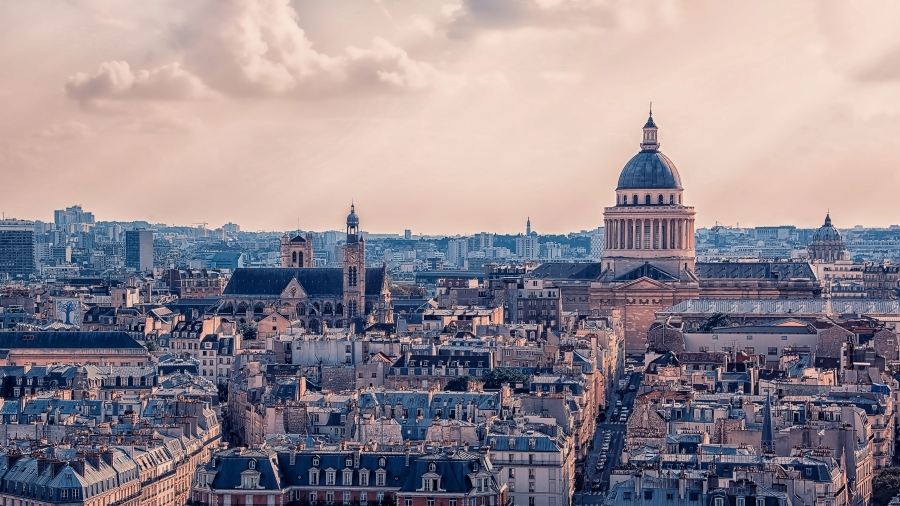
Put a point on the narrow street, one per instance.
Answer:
(586, 496)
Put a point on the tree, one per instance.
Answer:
(885, 486)
(496, 378)
(714, 321)
(458, 384)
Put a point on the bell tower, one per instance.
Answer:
(354, 268)
(297, 252)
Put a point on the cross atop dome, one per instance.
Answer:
(650, 142)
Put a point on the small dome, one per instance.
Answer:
(827, 232)
(649, 170)
(352, 218)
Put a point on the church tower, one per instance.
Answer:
(297, 251)
(354, 268)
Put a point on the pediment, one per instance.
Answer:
(644, 283)
(293, 290)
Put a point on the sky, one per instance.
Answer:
(446, 116)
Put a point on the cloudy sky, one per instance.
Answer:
(445, 116)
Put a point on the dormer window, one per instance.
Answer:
(329, 477)
(251, 464)
(432, 467)
(315, 461)
(348, 477)
(314, 477)
(380, 478)
(382, 462)
(364, 478)
(532, 443)
(348, 462)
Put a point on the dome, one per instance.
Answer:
(827, 232)
(352, 218)
(648, 170)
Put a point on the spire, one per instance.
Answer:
(828, 218)
(528, 226)
(650, 142)
(768, 436)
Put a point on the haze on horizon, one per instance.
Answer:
(446, 116)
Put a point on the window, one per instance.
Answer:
(408, 501)
(648, 495)
(531, 473)
(379, 479)
(670, 496)
(364, 478)
(739, 501)
(429, 501)
(750, 350)
(784, 338)
(348, 476)
(704, 349)
(346, 496)
(452, 502)
(379, 497)
(329, 497)
(693, 495)
(329, 477)
(531, 501)
(773, 350)
(314, 477)
(312, 497)
(626, 496)
(512, 472)
(351, 276)
(715, 336)
(363, 497)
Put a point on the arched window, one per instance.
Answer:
(328, 310)
(634, 200)
(301, 309)
(294, 257)
(624, 200)
(352, 309)
(300, 257)
(339, 309)
(351, 276)
(671, 199)
(647, 200)
(661, 200)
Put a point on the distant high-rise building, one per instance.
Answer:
(231, 228)
(527, 247)
(16, 248)
(485, 240)
(457, 251)
(71, 215)
(407, 234)
(528, 226)
(139, 249)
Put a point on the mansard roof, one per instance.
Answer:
(319, 281)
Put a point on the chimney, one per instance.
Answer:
(107, 455)
(93, 459)
(55, 467)
(78, 466)
(638, 484)
(42, 464)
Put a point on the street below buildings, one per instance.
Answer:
(616, 430)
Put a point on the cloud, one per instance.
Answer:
(115, 80)
(256, 48)
(472, 15)
(67, 130)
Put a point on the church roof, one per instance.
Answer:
(315, 281)
(298, 239)
(67, 340)
(646, 271)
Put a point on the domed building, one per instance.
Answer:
(827, 244)
(648, 256)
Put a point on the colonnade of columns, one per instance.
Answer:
(650, 233)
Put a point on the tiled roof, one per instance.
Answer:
(315, 281)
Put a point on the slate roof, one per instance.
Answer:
(68, 340)
(272, 282)
(649, 169)
(755, 270)
(577, 270)
(646, 271)
(453, 469)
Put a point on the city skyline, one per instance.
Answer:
(383, 102)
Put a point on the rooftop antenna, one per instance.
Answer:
(651, 109)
